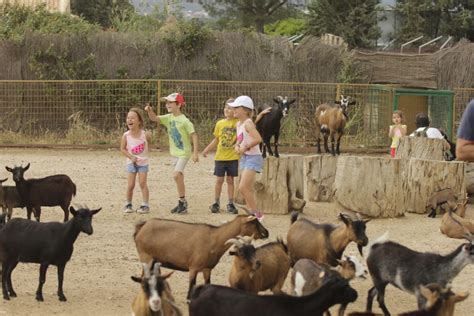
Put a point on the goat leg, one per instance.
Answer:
(269, 147)
(318, 146)
(9, 279)
(4, 281)
(37, 211)
(61, 295)
(207, 276)
(381, 299)
(370, 298)
(432, 213)
(42, 279)
(277, 136)
(264, 150)
(192, 283)
(29, 210)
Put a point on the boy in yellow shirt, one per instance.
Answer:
(226, 161)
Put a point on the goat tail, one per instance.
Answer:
(138, 226)
(73, 189)
(294, 216)
(379, 240)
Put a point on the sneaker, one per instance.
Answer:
(181, 208)
(215, 208)
(143, 209)
(128, 208)
(232, 209)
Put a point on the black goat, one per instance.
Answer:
(269, 124)
(22, 240)
(392, 263)
(49, 191)
(9, 198)
(215, 300)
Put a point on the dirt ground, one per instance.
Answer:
(97, 278)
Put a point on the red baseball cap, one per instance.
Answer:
(174, 97)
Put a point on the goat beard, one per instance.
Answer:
(359, 247)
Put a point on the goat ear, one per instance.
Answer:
(292, 101)
(459, 297)
(136, 279)
(27, 167)
(73, 211)
(276, 100)
(93, 212)
(346, 219)
(367, 220)
(9, 169)
(167, 275)
(337, 102)
(352, 102)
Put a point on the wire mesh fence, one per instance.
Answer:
(94, 111)
(462, 96)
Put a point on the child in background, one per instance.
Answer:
(396, 131)
(134, 146)
(251, 160)
(180, 132)
(226, 160)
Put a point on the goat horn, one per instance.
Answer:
(146, 270)
(247, 239)
(234, 242)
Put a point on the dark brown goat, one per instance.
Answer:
(331, 121)
(49, 191)
(191, 247)
(324, 243)
(9, 198)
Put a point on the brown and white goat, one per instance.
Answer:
(438, 198)
(439, 302)
(192, 247)
(258, 269)
(308, 276)
(455, 226)
(331, 121)
(324, 243)
(154, 297)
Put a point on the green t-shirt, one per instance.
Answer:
(179, 130)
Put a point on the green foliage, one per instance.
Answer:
(434, 18)
(187, 37)
(99, 11)
(348, 73)
(51, 65)
(246, 12)
(287, 27)
(16, 20)
(354, 20)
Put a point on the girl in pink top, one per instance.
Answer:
(134, 146)
(251, 160)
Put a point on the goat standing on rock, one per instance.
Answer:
(269, 125)
(331, 121)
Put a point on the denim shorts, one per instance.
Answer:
(226, 167)
(134, 168)
(251, 162)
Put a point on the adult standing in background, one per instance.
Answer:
(465, 137)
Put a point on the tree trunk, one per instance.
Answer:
(369, 185)
(320, 175)
(423, 177)
(421, 148)
(469, 178)
(279, 189)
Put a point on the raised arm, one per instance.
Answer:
(151, 114)
(465, 150)
(262, 114)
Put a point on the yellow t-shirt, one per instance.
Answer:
(226, 131)
(396, 137)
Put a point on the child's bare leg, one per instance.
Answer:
(142, 180)
(131, 178)
(178, 177)
(230, 188)
(218, 188)
(246, 188)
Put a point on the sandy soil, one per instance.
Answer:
(97, 278)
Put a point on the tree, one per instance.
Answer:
(435, 18)
(99, 11)
(246, 12)
(353, 20)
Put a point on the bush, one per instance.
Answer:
(287, 27)
(16, 20)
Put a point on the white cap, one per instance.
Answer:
(244, 101)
